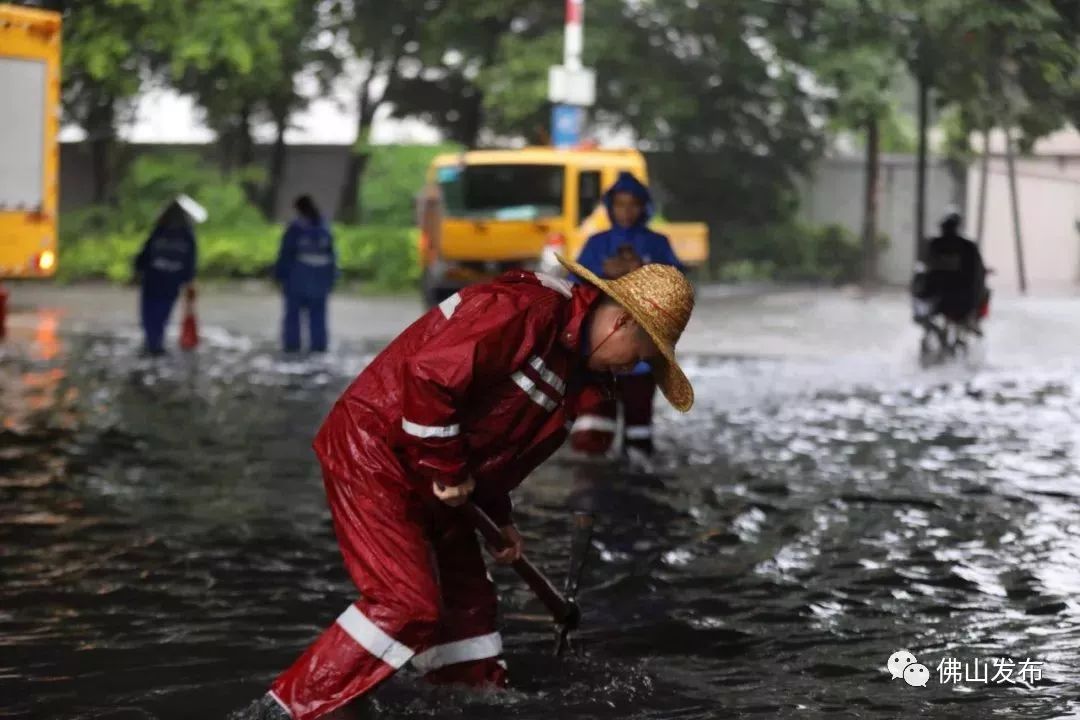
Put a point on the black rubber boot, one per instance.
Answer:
(265, 708)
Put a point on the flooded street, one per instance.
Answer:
(165, 547)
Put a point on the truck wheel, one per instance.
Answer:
(433, 294)
(440, 294)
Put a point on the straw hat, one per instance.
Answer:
(660, 299)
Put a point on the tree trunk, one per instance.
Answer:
(1014, 196)
(246, 155)
(101, 156)
(920, 179)
(870, 207)
(226, 146)
(473, 120)
(101, 128)
(349, 209)
(246, 144)
(277, 169)
(984, 174)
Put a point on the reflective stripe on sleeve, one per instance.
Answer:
(548, 376)
(427, 431)
(538, 396)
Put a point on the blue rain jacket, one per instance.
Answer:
(167, 260)
(650, 246)
(307, 262)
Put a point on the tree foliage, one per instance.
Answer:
(755, 86)
(109, 48)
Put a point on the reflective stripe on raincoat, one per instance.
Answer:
(482, 385)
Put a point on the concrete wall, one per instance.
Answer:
(1049, 197)
(314, 169)
(834, 194)
(1048, 190)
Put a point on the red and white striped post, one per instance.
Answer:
(571, 87)
(574, 38)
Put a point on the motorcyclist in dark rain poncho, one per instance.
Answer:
(952, 281)
(164, 266)
(306, 268)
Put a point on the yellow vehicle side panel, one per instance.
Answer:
(34, 35)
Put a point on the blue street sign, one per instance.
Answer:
(567, 124)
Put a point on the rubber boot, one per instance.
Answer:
(265, 708)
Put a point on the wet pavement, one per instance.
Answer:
(165, 547)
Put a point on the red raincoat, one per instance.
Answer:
(484, 385)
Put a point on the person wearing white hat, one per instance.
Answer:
(164, 266)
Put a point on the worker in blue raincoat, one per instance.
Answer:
(306, 268)
(628, 245)
(163, 267)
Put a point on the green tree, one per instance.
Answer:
(110, 48)
(855, 57)
(241, 61)
(1014, 64)
(301, 52)
(686, 78)
(227, 56)
(713, 87)
(382, 36)
(483, 67)
(394, 175)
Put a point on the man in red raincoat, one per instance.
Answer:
(463, 405)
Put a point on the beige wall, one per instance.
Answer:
(834, 194)
(1049, 199)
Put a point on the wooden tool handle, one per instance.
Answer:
(564, 612)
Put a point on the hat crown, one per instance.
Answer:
(661, 297)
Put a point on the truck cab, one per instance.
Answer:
(484, 212)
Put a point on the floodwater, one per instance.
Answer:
(165, 548)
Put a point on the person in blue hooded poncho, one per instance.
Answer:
(306, 268)
(163, 267)
(628, 245)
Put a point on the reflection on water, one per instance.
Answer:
(165, 548)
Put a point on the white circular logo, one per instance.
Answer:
(898, 661)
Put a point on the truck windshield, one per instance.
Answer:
(503, 192)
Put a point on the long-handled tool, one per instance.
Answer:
(580, 543)
(565, 611)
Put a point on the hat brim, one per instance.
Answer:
(669, 376)
(194, 210)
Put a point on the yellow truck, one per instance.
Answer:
(487, 211)
(29, 153)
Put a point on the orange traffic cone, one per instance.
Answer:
(189, 330)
